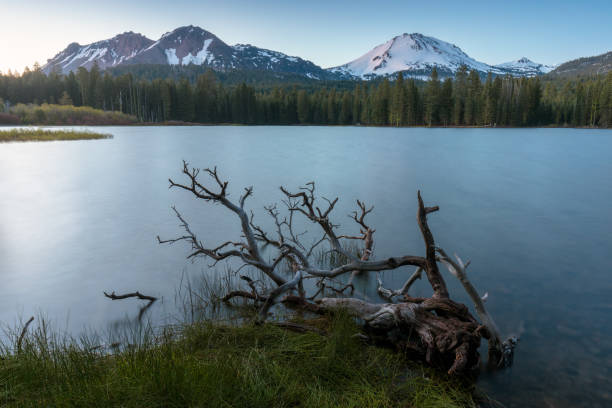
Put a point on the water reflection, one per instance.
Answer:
(529, 207)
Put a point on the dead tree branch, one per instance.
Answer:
(437, 329)
(501, 353)
(390, 294)
(138, 295)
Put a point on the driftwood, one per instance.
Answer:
(442, 332)
(137, 294)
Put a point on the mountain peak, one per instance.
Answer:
(416, 54)
(524, 67)
(105, 53)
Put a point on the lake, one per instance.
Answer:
(531, 209)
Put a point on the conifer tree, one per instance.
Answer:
(432, 96)
(65, 99)
(397, 110)
(445, 102)
(303, 107)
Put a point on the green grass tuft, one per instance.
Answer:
(212, 365)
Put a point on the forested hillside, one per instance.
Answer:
(465, 101)
(595, 65)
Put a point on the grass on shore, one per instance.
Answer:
(41, 135)
(213, 365)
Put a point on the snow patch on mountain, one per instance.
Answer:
(171, 56)
(203, 56)
(105, 53)
(525, 67)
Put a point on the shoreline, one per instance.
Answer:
(197, 124)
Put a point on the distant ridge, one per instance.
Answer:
(182, 46)
(414, 54)
(596, 65)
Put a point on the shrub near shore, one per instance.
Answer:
(68, 115)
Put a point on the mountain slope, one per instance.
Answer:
(182, 46)
(107, 53)
(415, 55)
(524, 67)
(596, 65)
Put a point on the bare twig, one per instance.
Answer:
(390, 294)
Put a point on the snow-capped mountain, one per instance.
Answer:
(182, 46)
(107, 53)
(415, 55)
(525, 67)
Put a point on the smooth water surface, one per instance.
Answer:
(531, 208)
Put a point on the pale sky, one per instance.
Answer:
(328, 33)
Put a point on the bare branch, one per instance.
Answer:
(263, 313)
(243, 294)
(249, 252)
(247, 193)
(307, 208)
(390, 294)
(433, 273)
(500, 353)
(316, 244)
(136, 294)
(364, 212)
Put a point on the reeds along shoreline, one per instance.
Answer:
(42, 135)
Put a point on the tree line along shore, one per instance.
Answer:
(466, 100)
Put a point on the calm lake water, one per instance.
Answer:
(531, 208)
